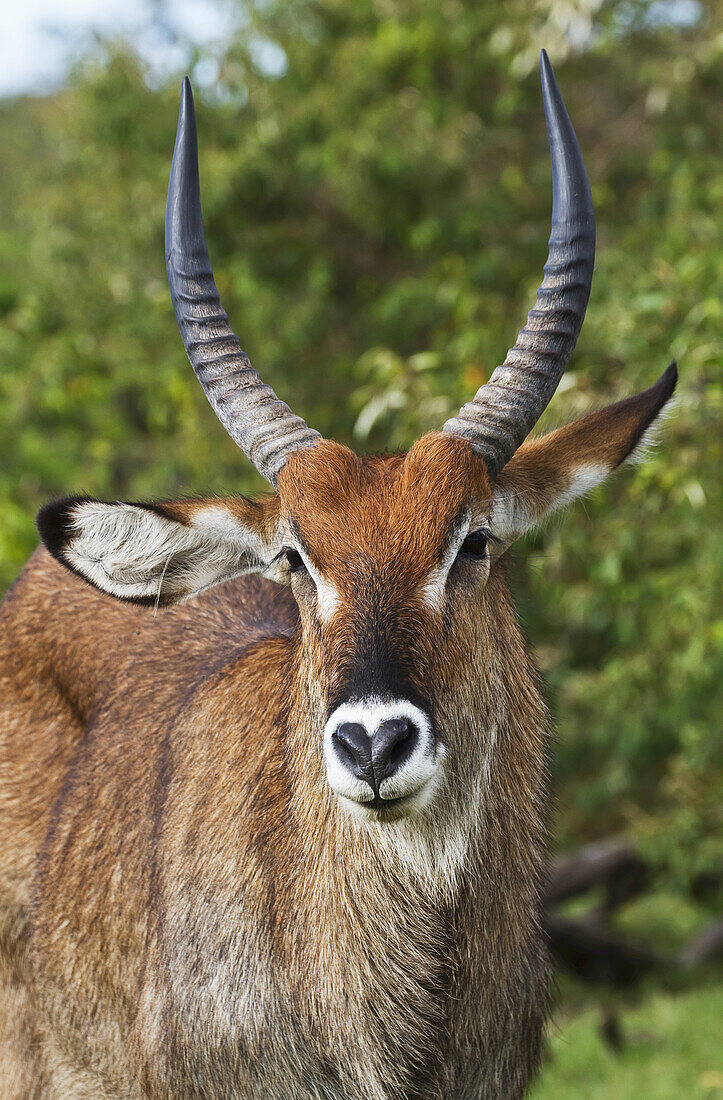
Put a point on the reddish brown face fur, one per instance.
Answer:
(376, 529)
(379, 536)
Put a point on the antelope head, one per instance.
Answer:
(389, 557)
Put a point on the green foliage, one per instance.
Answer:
(667, 1025)
(671, 1052)
(377, 208)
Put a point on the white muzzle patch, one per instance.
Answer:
(412, 779)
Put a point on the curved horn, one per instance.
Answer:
(507, 407)
(262, 426)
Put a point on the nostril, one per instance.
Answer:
(354, 749)
(402, 748)
(394, 742)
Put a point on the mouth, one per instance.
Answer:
(388, 805)
(384, 810)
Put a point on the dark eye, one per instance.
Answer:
(474, 546)
(294, 559)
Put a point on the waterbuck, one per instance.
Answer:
(283, 839)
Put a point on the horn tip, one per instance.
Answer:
(547, 77)
(186, 110)
(183, 204)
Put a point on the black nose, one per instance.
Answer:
(375, 758)
(354, 749)
(393, 743)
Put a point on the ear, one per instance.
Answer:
(558, 468)
(161, 553)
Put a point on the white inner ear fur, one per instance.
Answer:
(651, 436)
(516, 510)
(134, 552)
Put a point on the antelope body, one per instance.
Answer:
(284, 840)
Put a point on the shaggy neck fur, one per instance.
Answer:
(397, 922)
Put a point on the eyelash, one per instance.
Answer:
(294, 560)
(474, 546)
